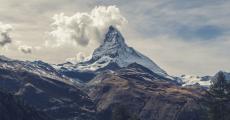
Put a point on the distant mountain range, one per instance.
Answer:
(205, 81)
(116, 78)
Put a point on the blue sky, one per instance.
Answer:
(182, 36)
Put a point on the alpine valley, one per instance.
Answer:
(117, 83)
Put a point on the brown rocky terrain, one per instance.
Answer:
(145, 96)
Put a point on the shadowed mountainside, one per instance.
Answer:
(11, 108)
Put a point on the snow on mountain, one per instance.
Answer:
(38, 83)
(36, 67)
(114, 50)
(205, 81)
(3, 58)
(188, 80)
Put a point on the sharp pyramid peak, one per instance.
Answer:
(114, 49)
(114, 37)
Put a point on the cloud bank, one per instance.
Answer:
(83, 28)
(5, 38)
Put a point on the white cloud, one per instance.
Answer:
(84, 28)
(25, 49)
(5, 38)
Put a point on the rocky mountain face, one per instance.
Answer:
(117, 83)
(145, 95)
(11, 108)
(114, 49)
(42, 87)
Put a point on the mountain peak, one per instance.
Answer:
(113, 31)
(114, 50)
(114, 38)
(113, 42)
(112, 28)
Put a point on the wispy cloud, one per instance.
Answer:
(25, 49)
(5, 38)
(206, 32)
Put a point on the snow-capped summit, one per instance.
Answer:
(112, 45)
(115, 50)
